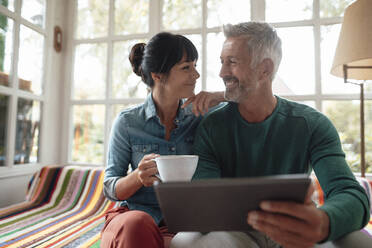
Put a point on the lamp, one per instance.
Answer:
(353, 57)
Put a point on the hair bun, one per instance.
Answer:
(136, 56)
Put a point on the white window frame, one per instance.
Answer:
(155, 26)
(49, 100)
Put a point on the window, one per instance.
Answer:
(4, 101)
(22, 58)
(103, 83)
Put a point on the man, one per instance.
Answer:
(259, 134)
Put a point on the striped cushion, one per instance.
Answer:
(64, 207)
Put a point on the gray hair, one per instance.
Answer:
(262, 41)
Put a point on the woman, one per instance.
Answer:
(163, 124)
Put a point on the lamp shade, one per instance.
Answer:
(354, 46)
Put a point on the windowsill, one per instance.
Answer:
(19, 170)
(368, 175)
(85, 164)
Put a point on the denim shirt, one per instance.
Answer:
(137, 132)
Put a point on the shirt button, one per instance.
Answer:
(173, 149)
(177, 121)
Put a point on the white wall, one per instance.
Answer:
(13, 185)
(13, 190)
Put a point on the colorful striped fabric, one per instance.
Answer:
(64, 207)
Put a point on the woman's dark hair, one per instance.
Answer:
(161, 53)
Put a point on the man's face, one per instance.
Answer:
(239, 78)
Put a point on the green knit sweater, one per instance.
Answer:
(293, 139)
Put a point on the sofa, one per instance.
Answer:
(65, 207)
(361, 238)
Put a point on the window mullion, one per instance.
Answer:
(12, 111)
(45, 84)
(11, 133)
(317, 57)
(108, 108)
(6, 12)
(258, 10)
(204, 45)
(155, 16)
(68, 92)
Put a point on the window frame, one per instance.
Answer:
(155, 25)
(10, 169)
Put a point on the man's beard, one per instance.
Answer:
(236, 93)
(232, 95)
(239, 92)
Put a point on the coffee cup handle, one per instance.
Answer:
(157, 175)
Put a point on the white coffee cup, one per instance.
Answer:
(176, 167)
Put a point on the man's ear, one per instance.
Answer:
(266, 69)
(157, 77)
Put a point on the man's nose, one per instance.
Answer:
(225, 70)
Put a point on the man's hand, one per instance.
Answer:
(203, 101)
(291, 224)
(147, 169)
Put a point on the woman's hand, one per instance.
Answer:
(147, 169)
(203, 101)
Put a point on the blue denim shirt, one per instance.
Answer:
(137, 132)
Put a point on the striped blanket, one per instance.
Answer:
(64, 207)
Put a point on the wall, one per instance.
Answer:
(13, 189)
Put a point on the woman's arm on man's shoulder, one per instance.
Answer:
(204, 100)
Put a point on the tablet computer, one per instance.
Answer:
(223, 204)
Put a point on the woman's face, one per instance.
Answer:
(181, 79)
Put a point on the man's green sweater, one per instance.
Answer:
(293, 139)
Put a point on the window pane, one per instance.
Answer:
(6, 49)
(8, 3)
(30, 64)
(131, 16)
(345, 115)
(296, 74)
(34, 11)
(125, 83)
(183, 14)
(222, 12)
(92, 18)
(196, 39)
(331, 8)
(90, 71)
(88, 133)
(288, 10)
(4, 101)
(27, 131)
(330, 83)
(214, 46)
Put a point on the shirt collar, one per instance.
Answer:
(150, 109)
(149, 106)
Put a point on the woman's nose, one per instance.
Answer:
(196, 74)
